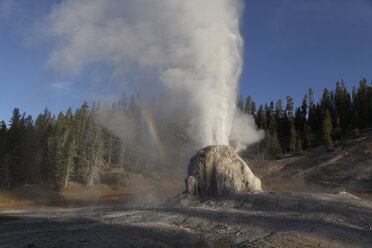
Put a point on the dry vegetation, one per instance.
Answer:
(347, 168)
(148, 184)
(75, 195)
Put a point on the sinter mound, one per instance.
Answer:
(218, 170)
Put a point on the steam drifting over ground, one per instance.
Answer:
(192, 49)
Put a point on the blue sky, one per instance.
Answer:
(290, 46)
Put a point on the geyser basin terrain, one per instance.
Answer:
(264, 219)
(218, 170)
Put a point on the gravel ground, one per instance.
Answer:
(275, 219)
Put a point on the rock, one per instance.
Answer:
(218, 170)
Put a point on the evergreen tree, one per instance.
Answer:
(292, 135)
(267, 114)
(80, 160)
(261, 118)
(361, 108)
(299, 121)
(44, 131)
(65, 148)
(248, 105)
(14, 149)
(278, 110)
(290, 106)
(29, 148)
(94, 151)
(313, 117)
(268, 145)
(240, 103)
(308, 136)
(325, 102)
(301, 116)
(304, 107)
(60, 139)
(299, 148)
(123, 102)
(253, 109)
(343, 105)
(272, 125)
(14, 134)
(4, 157)
(276, 150)
(337, 132)
(284, 131)
(327, 131)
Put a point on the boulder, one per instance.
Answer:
(218, 170)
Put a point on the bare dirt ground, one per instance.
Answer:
(250, 220)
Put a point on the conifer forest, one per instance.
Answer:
(73, 146)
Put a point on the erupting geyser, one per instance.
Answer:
(218, 170)
(190, 49)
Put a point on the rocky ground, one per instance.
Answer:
(245, 220)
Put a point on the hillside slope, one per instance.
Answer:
(348, 167)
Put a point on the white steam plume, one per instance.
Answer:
(194, 48)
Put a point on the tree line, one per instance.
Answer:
(292, 130)
(83, 146)
(70, 147)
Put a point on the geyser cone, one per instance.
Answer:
(218, 170)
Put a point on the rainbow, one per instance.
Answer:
(152, 128)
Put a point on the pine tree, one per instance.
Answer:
(343, 105)
(261, 118)
(327, 130)
(299, 148)
(284, 131)
(272, 145)
(253, 109)
(290, 106)
(94, 151)
(122, 105)
(312, 118)
(362, 115)
(276, 150)
(279, 115)
(308, 136)
(80, 160)
(44, 131)
(29, 148)
(60, 137)
(278, 110)
(299, 121)
(301, 116)
(65, 148)
(304, 107)
(268, 145)
(292, 135)
(267, 114)
(240, 103)
(337, 132)
(15, 135)
(248, 105)
(325, 102)
(4, 157)
(273, 125)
